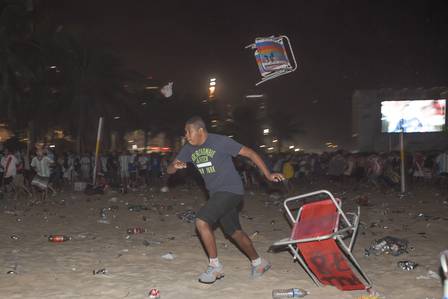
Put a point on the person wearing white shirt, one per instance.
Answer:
(41, 164)
(85, 167)
(442, 163)
(9, 163)
(124, 160)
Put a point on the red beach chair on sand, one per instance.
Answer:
(317, 241)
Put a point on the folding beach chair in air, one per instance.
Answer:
(272, 58)
(322, 239)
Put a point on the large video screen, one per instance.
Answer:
(416, 116)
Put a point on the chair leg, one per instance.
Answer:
(304, 265)
(354, 261)
(51, 189)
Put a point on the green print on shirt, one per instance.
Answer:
(202, 159)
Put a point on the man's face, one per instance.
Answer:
(193, 134)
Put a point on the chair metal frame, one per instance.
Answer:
(338, 234)
(275, 74)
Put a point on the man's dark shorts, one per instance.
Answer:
(222, 207)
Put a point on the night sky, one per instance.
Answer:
(340, 45)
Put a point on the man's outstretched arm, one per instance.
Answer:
(254, 157)
(175, 165)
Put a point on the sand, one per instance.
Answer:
(133, 266)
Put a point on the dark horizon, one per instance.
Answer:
(341, 46)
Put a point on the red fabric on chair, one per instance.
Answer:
(316, 219)
(324, 258)
(330, 265)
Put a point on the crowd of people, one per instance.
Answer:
(378, 170)
(45, 168)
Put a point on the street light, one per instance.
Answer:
(211, 88)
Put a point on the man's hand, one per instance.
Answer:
(276, 177)
(179, 164)
(175, 165)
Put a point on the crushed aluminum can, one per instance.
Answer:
(137, 208)
(169, 256)
(187, 216)
(407, 265)
(387, 245)
(103, 214)
(154, 293)
(151, 242)
(100, 271)
(135, 230)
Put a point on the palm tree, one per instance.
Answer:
(94, 87)
(16, 44)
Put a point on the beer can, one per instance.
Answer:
(154, 293)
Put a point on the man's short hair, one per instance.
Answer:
(197, 122)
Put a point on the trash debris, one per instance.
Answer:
(430, 275)
(137, 208)
(14, 237)
(362, 200)
(79, 186)
(164, 189)
(135, 230)
(154, 293)
(58, 238)
(92, 190)
(247, 217)
(187, 216)
(407, 265)
(444, 263)
(169, 256)
(254, 234)
(387, 245)
(275, 196)
(100, 271)
(11, 272)
(103, 221)
(103, 214)
(151, 242)
(289, 293)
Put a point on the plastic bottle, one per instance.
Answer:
(135, 230)
(58, 238)
(289, 293)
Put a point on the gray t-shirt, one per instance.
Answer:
(213, 159)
